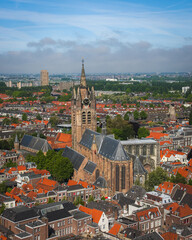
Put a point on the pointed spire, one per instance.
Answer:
(74, 93)
(83, 80)
(16, 139)
(78, 93)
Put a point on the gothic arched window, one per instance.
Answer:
(83, 117)
(89, 117)
(97, 174)
(152, 150)
(144, 150)
(74, 118)
(117, 177)
(123, 177)
(137, 150)
(130, 149)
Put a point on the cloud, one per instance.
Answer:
(45, 42)
(188, 38)
(100, 56)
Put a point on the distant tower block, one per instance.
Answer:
(44, 78)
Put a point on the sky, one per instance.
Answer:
(112, 36)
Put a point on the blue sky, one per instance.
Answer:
(112, 36)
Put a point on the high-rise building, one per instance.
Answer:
(44, 78)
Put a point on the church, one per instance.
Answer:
(97, 158)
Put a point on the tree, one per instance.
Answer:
(9, 164)
(155, 178)
(63, 168)
(50, 200)
(6, 121)
(136, 115)
(178, 179)
(38, 117)
(190, 118)
(60, 167)
(2, 208)
(126, 116)
(91, 199)
(143, 115)
(54, 120)
(24, 117)
(143, 132)
(78, 200)
(3, 187)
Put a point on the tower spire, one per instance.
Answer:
(83, 80)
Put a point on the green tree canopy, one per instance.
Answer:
(120, 128)
(190, 118)
(24, 117)
(178, 179)
(54, 120)
(38, 117)
(143, 115)
(60, 167)
(136, 115)
(155, 178)
(143, 132)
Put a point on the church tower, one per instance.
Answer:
(83, 110)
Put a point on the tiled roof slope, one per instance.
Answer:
(107, 146)
(35, 143)
(75, 157)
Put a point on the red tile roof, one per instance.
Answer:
(169, 236)
(173, 207)
(115, 229)
(96, 214)
(166, 187)
(21, 168)
(146, 214)
(71, 182)
(186, 187)
(157, 135)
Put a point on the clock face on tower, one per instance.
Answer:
(86, 101)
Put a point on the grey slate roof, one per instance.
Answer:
(138, 168)
(187, 199)
(58, 214)
(87, 138)
(136, 192)
(131, 233)
(80, 215)
(35, 143)
(107, 146)
(100, 182)
(112, 149)
(23, 235)
(90, 167)
(74, 187)
(150, 236)
(20, 213)
(178, 195)
(75, 157)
